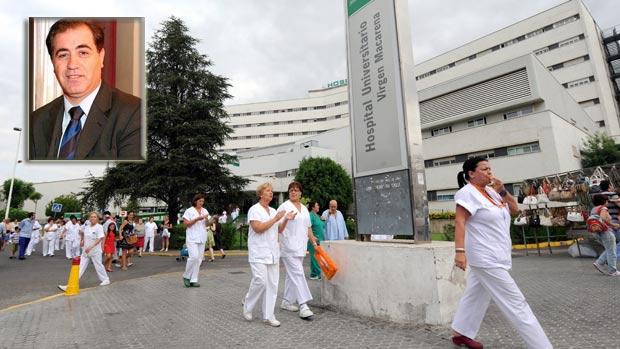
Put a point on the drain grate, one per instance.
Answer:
(236, 272)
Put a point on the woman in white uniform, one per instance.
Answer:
(296, 229)
(482, 240)
(264, 256)
(194, 220)
(49, 236)
(91, 242)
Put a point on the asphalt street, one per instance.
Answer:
(37, 276)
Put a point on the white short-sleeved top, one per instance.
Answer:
(92, 233)
(73, 231)
(149, 229)
(487, 231)
(198, 231)
(294, 239)
(263, 248)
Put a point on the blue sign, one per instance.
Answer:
(56, 207)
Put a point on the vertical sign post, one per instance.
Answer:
(388, 165)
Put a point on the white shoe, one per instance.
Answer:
(304, 311)
(118, 265)
(272, 322)
(105, 282)
(600, 268)
(247, 316)
(166, 250)
(615, 273)
(288, 306)
(63, 288)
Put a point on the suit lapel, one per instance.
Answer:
(56, 113)
(97, 118)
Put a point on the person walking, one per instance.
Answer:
(335, 227)
(217, 235)
(127, 240)
(27, 228)
(72, 237)
(264, 256)
(139, 229)
(606, 238)
(49, 237)
(195, 220)
(149, 235)
(318, 229)
(482, 241)
(296, 231)
(165, 234)
(109, 246)
(91, 242)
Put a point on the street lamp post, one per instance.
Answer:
(8, 200)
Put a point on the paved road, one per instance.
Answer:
(37, 276)
(577, 306)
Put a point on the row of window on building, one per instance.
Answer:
(290, 122)
(482, 120)
(291, 110)
(275, 135)
(500, 46)
(519, 149)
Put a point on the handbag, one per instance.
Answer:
(545, 221)
(327, 265)
(530, 200)
(520, 220)
(574, 216)
(542, 196)
(535, 221)
(131, 239)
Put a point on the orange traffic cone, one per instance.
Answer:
(328, 267)
(73, 285)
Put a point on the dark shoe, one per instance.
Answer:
(223, 256)
(11, 257)
(211, 260)
(21, 258)
(186, 282)
(466, 341)
(194, 284)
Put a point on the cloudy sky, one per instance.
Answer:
(270, 49)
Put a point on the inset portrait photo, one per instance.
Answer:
(86, 89)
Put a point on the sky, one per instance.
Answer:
(269, 50)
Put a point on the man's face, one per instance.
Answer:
(77, 64)
(333, 207)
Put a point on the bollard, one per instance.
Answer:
(73, 285)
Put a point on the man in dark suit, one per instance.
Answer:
(91, 120)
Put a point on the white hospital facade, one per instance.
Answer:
(525, 96)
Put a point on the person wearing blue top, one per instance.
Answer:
(335, 228)
(26, 227)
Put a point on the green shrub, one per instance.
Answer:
(448, 232)
(351, 227)
(441, 215)
(177, 236)
(14, 213)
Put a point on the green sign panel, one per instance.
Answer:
(354, 5)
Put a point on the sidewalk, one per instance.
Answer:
(158, 312)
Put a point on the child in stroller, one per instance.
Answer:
(183, 253)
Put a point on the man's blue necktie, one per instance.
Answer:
(71, 135)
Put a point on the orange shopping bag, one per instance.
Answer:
(327, 265)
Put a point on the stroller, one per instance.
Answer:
(183, 253)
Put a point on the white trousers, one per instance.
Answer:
(72, 248)
(95, 257)
(484, 284)
(150, 242)
(48, 247)
(34, 240)
(196, 255)
(295, 284)
(264, 285)
(57, 242)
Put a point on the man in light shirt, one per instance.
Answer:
(149, 235)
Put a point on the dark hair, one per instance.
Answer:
(604, 185)
(112, 224)
(295, 184)
(72, 217)
(311, 205)
(49, 219)
(196, 198)
(599, 199)
(107, 213)
(30, 214)
(63, 25)
(469, 165)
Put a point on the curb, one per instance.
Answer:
(544, 244)
(206, 254)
